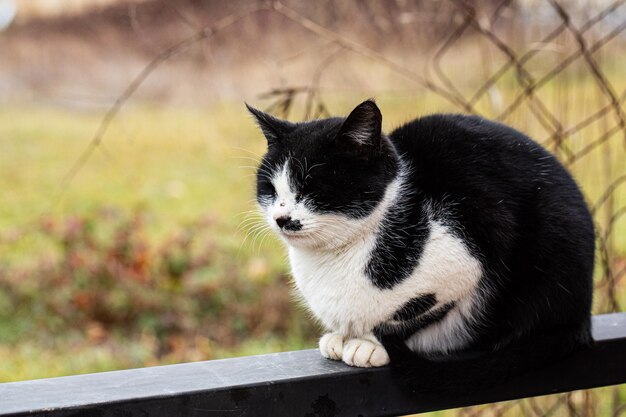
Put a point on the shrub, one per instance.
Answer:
(104, 273)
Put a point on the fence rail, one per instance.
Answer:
(299, 383)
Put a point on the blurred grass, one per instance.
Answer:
(176, 165)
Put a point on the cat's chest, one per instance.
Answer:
(337, 289)
(330, 277)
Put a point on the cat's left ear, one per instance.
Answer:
(273, 128)
(363, 127)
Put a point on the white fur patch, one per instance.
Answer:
(285, 196)
(286, 205)
(332, 279)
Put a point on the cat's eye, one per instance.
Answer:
(268, 188)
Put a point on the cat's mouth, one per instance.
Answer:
(293, 236)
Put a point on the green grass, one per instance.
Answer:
(176, 163)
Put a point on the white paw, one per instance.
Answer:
(364, 353)
(331, 346)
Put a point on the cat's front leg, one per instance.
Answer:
(331, 345)
(363, 352)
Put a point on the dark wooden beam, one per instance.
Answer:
(290, 384)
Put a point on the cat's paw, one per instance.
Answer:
(331, 346)
(364, 353)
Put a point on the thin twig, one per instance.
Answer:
(365, 51)
(204, 33)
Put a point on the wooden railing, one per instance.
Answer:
(299, 383)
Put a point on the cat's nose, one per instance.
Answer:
(282, 221)
(287, 223)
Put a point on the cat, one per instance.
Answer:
(454, 245)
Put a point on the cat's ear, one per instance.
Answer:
(362, 128)
(273, 128)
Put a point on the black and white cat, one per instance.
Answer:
(453, 238)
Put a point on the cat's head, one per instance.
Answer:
(320, 181)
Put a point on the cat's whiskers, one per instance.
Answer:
(302, 171)
(254, 225)
(265, 236)
(321, 238)
(249, 223)
(309, 169)
(252, 229)
(315, 166)
(237, 148)
(256, 172)
(251, 213)
(258, 162)
(329, 232)
(325, 240)
(262, 232)
(261, 166)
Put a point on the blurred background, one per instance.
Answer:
(128, 234)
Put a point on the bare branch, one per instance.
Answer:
(204, 33)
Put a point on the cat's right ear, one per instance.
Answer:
(362, 128)
(273, 128)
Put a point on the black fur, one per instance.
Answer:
(398, 250)
(516, 207)
(408, 328)
(415, 307)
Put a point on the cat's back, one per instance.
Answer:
(490, 163)
(452, 128)
(496, 177)
(456, 148)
